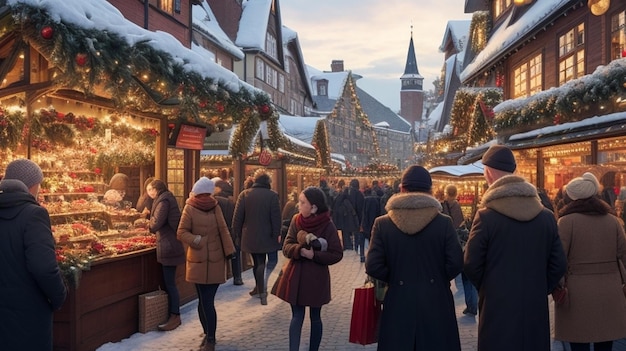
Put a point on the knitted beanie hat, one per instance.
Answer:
(25, 170)
(416, 178)
(204, 185)
(582, 187)
(500, 157)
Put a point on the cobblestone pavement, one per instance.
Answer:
(244, 324)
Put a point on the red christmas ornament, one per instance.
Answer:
(202, 104)
(264, 109)
(81, 59)
(47, 32)
(624, 53)
(219, 107)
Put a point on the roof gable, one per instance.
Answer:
(205, 22)
(253, 24)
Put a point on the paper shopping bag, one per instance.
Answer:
(365, 315)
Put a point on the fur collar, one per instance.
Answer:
(514, 197)
(411, 212)
(590, 206)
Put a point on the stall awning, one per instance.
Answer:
(473, 169)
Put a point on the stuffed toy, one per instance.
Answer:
(310, 241)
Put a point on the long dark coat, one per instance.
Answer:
(164, 219)
(415, 250)
(310, 285)
(515, 259)
(31, 286)
(345, 218)
(257, 219)
(593, 239)
(371, 210)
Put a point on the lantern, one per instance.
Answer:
(599, 7)
(522, 2)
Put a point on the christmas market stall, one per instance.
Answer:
(469, 181)
(101, 105)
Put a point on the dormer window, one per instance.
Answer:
(322, 88)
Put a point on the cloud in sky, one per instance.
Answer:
(372, 37)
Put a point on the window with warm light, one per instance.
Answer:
(169, 6)
(528, 77)
(500, 6)
(618, 35)
(572, 54)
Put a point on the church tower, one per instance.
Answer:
(411, 93)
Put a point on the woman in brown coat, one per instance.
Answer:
(203, 228)
(593, 240)
(312, 244)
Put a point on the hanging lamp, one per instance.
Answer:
(522, 2)
(599, 7)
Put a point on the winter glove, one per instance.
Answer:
(319, 244)
(196, 242)
(302, 237)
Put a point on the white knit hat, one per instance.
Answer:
(583, 187)
(204, 185)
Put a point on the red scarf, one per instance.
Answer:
(203, 204)
(313, 223)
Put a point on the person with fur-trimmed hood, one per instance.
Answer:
(415, 250)
(514, 258)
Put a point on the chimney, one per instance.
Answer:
(336, 66)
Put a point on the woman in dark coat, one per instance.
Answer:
(164, 219)
(305, 280)
(256, 224)
(415, 250)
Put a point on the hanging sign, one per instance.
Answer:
(265, 158)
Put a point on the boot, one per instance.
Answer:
(254, 292)
(237, 281)
(172, 323)
(207, 345)
(263, 297)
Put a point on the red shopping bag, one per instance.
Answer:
(365, 316)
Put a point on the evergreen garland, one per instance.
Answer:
(140, 76)
(479, 30)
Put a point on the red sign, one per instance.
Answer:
(190, 137)
(265, 158)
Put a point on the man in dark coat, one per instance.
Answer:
(257, 227)
(371, 210)
(414, 249)
(514, 258)
(31, 285)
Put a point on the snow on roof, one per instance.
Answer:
(288, 34)
(205, 21)
(336, 82)
(508, 33)
(253, 24)
(299, 127)
(383, 124)
(101, 15)
(435, 115)
(588, 122)
(475, 168)
(457, 31)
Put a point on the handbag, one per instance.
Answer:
(560, 295)
(365, 316)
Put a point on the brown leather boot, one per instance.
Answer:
(254, 292)
(209, 346)
(172, 323)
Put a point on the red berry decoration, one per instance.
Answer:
(202, 104)
(47, 32)
(219, 107)
(264, 109)
(81, 59)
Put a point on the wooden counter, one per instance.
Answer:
(104, 308)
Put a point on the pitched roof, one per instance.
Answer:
(379, 113)
(457, 32)
(253, 24)
(204, 21)
(511, 32)
(410, 69)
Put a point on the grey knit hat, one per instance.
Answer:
(25, 170)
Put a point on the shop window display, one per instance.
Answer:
(79, 156)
